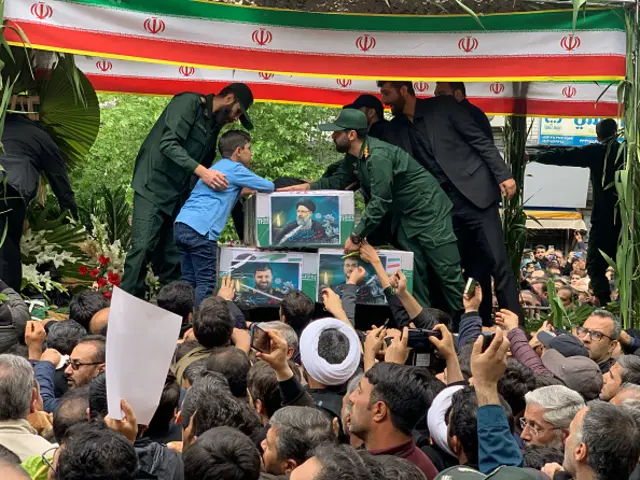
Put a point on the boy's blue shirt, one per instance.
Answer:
(207, 210)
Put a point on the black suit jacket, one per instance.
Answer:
(462, 150)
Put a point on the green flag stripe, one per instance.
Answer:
(594, 19)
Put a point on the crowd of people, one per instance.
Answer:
(430, 394)
(405, 400)
(573, 284)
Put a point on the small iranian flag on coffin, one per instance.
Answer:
(321, 218)
(334, 268)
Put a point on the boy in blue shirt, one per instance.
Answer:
(205, 213)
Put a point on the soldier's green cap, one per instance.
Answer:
(349, 119)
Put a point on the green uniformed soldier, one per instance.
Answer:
(394, 182)
(181, 143)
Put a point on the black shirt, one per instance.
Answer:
(29, 152)
(602, 161)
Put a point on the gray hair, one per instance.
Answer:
(287, 332)
(632, 406)
(630, 369)
(630, 386)
(16, 386)
(351, 386)
(617, 325)
(300, 431)
(559, 402)
(611, 437)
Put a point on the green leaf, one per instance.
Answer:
(602, 94)
(577, 5)
(470, 12)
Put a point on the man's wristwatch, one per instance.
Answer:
(355, 238)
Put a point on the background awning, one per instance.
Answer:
(521, 46)
(555, 219)
(495, 98)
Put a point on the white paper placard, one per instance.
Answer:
(141, 340)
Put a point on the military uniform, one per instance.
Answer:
(394, 182)
(183, 137)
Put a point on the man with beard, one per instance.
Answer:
(305, 229)
(443, 136)
(394, 182)
(262, 294)
(181, 143)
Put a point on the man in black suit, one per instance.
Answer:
(458, 91)
(444, 137)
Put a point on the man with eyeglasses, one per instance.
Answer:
(600, 334)
(87, 361)
(548, 414)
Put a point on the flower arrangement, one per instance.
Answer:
(104, 277)
(81, 257)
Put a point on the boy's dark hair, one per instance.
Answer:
(65, 335)
(85, 305)
(167, 407)
(398, 85)
(234, 365)
(297, 309)
(222, 453)
(263, 385)
(231, 140)
(178, 298)
(212, 323)
(93, 451)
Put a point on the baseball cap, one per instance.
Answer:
(566, 344)
(460, 472)
(349, 119)
(578, 373)
(245, 98)
(368, 101)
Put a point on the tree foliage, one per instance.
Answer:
(286, 142)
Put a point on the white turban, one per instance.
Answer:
(317, 367)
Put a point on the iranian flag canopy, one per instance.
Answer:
(167, 46)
